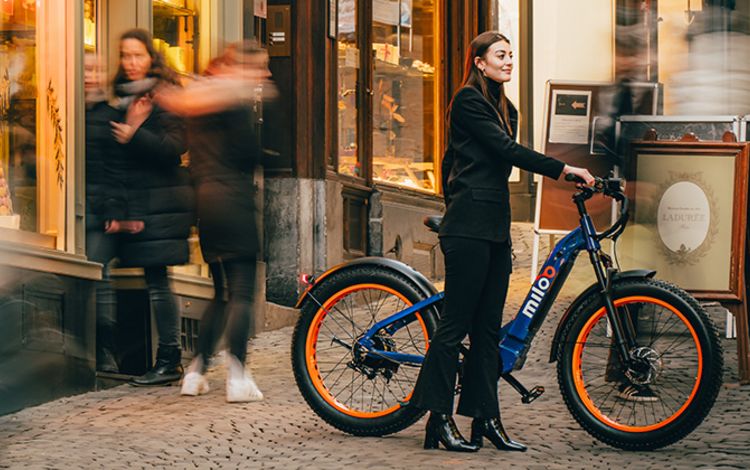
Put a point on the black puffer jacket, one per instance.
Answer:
(223, 154)
(158, 192)
(106, 197)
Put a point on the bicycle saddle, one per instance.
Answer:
(433, 222)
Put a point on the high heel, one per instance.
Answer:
(431, 440)
(442, 429)
(492, 429)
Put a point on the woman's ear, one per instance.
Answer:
(479, 63)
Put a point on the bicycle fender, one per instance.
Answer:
(592, 290)
(391, 264)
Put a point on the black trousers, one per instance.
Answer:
(102, 248)
(232, 316)
(476, 283)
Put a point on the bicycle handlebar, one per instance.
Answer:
(610, 187)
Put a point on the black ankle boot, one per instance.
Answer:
(167, 369)
(492, 429)
(442, 429)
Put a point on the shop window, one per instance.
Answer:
(33, 124)
(176, 33)
(702, 55)
(176, 30)
(406, 111)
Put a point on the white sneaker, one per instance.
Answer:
(240, 384)
(194, 384)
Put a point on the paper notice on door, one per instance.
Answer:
(569, 123)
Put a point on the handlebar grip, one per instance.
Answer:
(574, 178)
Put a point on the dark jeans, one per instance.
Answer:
(232, 316)
(476, 283)
(163, 306)
(102, 248)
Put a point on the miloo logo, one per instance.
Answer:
(538, 289)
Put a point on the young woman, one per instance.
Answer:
(223, 155)
(156, 192)
(475, 240)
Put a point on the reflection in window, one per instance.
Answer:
(405, 50)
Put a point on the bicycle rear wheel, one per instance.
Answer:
(673, 382)
(354, 391)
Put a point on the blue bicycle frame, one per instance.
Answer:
(516, 335)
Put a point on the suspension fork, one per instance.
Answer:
(624, 332)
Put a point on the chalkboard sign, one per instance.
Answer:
(572, 109)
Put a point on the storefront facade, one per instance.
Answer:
(47, 284)
(359, 133)
(352, 146)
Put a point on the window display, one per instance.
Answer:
(176, 33)
(406, 110)
(33, 126)
(18, 116)
(405, 106)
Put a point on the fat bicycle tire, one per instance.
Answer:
(308, 333)
(698, 373)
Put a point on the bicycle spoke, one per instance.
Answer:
(348, 382)
(666, 334)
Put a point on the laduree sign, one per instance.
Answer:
(688, 219)
(689, 222)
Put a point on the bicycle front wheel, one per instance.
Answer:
(672, 382)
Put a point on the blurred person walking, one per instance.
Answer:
(223, 153)
(475, 239)
(102, 157)
(157, 192)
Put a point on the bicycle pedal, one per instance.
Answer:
(533, 394)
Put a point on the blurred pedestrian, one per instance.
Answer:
(102, 188)
(157, 192)
(223, 154)
(475, 239)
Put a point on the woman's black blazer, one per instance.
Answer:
(477, 165)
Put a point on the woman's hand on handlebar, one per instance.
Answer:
(581, 174)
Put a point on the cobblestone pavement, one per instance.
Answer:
(126, 427)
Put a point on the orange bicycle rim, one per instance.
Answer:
(312, 341)
(578, 372)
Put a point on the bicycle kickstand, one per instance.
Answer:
(527, 396)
